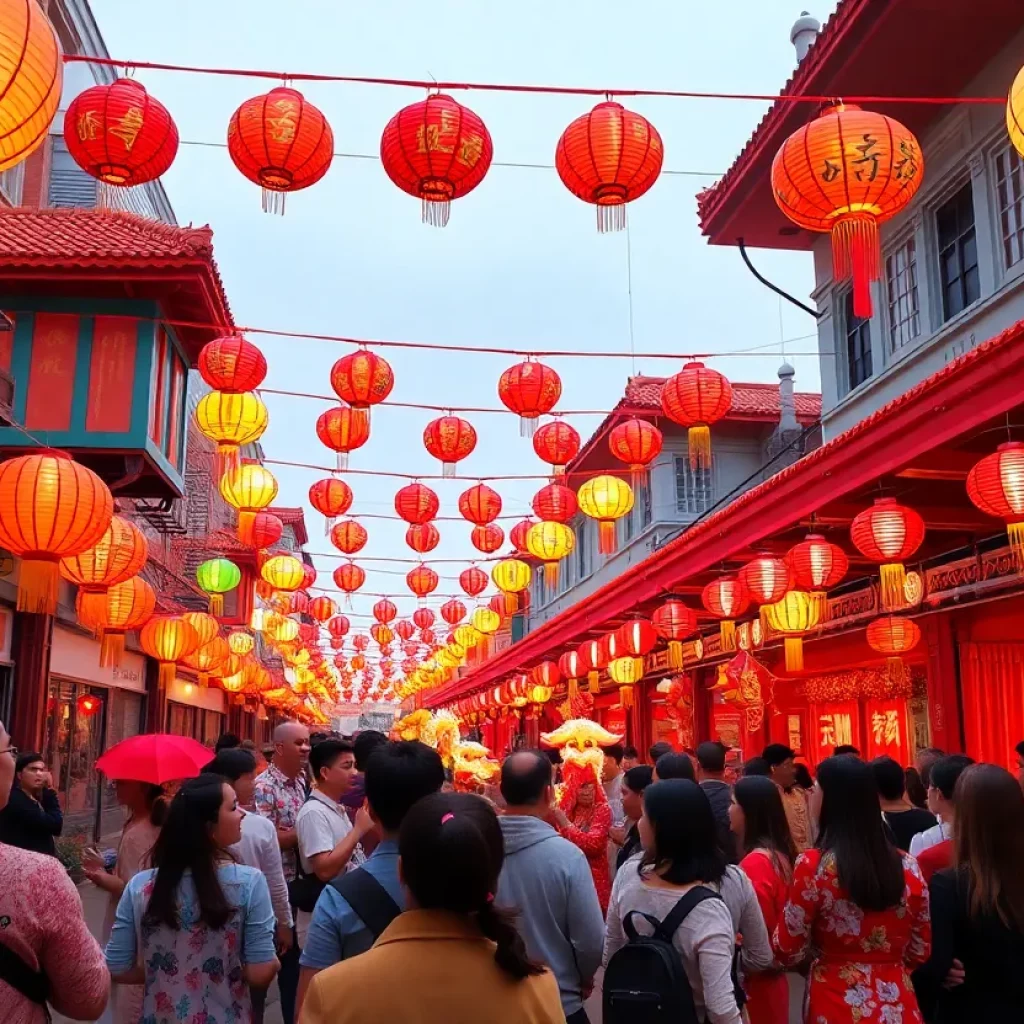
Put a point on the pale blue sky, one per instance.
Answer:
(520, 263)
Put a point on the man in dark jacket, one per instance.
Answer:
(32, 816)
(711, 777)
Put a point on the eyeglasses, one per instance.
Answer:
(12, 750)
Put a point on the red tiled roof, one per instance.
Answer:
(749, 401)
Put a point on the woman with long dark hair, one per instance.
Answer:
(759, 823)
(197, 928)
(682, 851)
(858, 903)
(978, 905)
(454, 955)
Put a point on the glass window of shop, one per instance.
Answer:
(124, 720)
(185, 720)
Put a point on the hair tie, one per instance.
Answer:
(447, 817)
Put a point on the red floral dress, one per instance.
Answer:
(860, 971)
(589, 829)
(767, 991)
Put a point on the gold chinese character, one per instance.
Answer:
(844, 730)
(127, 128)
(88, 126)
(828, 731)
(471, 148)
(428, 140)
(282, 128)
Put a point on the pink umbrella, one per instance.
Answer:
(154, 757)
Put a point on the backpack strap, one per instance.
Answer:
(697, 895)
(22, 978)
(369, 899)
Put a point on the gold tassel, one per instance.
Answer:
(511, 604)
(626, 696)
(216, 604)
(111, 649)
(856, 254)
(894, 579)
(638, 667)
(606, 537)
(37, 586)
(551, 574)
(246, 521)
(727, 631)
(675, 654)
(794, 653)
(574, 689)
(897, 670)
(227, 459)
(168, 670)
(699, 440)
(594, 681)
(1015, 531)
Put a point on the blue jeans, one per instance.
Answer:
(288, 979)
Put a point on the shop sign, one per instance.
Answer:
(78, 657)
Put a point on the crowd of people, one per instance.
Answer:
(349, 871)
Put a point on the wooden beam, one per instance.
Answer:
(942, 464)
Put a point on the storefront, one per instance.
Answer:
(196, 711)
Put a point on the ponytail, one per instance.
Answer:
(498, 926)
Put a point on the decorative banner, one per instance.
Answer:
(834, 725)
(888, 730)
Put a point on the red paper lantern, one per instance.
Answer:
(404, 629)
(232, 364)
(480, 504)
(608, 158)
(635, 639)
(766, 579)
(281, 142)
(360, 642)
(529, 389)
(322, 608)
(888, 533)
(362, 379)
(338, 626)
(449, 439)
(349, 577)
(120, 134)
(422, 537)
(385, 611)
(637, 443)
(308, 576)
(996, 486)
(893, 635)
(558, 444)
(546, 673)
(342, 430)
(517, 535)
(416, 503)
(381, 634)
(674, 622)
(453, 612)
(817, 566)
(695, 398)
(499, 605)
(555, 503)
(592, 653)
(331, 497)
(423, 618)
(298, 603)
(422, 581)
(473, 581)
(263, 530)
(348, 536)
(88, 704)
(437, 150)
(726, 599)
(572, 666)
(487, 538)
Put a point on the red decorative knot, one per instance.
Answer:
(473, 581)
(480, 504)
(449, 439)
(529, 389)
(348, 536)
(416, 503)
(487, 538)
(557, 443)
(555, 503)
(695, 398)
(422, 537)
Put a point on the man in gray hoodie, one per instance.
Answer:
(548, 879)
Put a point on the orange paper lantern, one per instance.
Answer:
(362, 379)
(894, 636)
(114, 613)
(555, 503)
(120, 554)
(343, 430)
(529, 389)
(422, 537)
(449, 439)
(636, 443)
(422, 581)
(557, 443)
(480, 504)
(348, 536)
(416, 503)
(261, 531)
(168, 639)
(487, 538)
(349, 577)
(322, 608)
(695, 398)
(473, 581)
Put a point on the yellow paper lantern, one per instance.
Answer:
(283, 572)
(209, 659)
(626, 672)
(798, 612)
(550, 542)
(607, 499)
(486, 620)
(206, 626)
(241, 642)
(511, 576)
(282, 630)
(1015, 113)
(230, 421)
(468, 636)
(250, 488)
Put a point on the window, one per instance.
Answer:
(904, 310)
(584, 538)
(1010, 197)
(693, 487)
(12, 183)
(858, 344)
(958, 253)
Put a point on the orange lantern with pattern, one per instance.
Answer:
(331, 497)
(558, 444)
(416, 503)
(422, 581)
(529, 389)
(473, 581)
(322, 608)
(205, 625)
(487, 538)
(555, 503)
(232, 364)
(115, 612)
(262, 531)
(168, 639)
(422, 537)
(480, 504)
(695, 398)
(449, 439)
(349, 536)
(385, 611)
(636, 443)
(342, 430)
(362, 379)
(453, 612)
(209, 659)
(120, 554)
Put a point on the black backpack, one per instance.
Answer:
(371, 903)
(644, 982)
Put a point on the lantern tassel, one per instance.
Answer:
(626, 696)
(856, 255)
(527, 426)
(794, 654)
(216, 605)
(606, 537)
(273, 202)
(819, 605)
(727, 632)
(511, 604)
(894, 578)
(675, 654)
(574, 688)
(435, 212)
(594, 681)
(611, 218)
(227, 459)
(1015, 531)
(448, 470)
(246, 523)
(551, 574)
(897, 670)
(37, 587)
(168, 670)
(698, 438)
(342, 461)
(638, 667)
(111, 649)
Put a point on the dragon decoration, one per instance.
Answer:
(746, 684)
(470, 763)
(580, 743)
(678, 691)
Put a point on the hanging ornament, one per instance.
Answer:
(726, 599)
(817, 566)
(606, 499)
(555, 503)
(416, 503)
(283, 572)
(888, 533)
(449, 439)
(167, 639)
(765, 580)
(594, 656)
(422, 537)
(695, 398)
(114, 613)
(453, 612)
(120, 134)
(847, 172)
(675, 622)
(423, 618)
(636, 638)
(517, 535)
(529, 389)
(487, 539)
(404, 629)
(338, 626)
(381, 634)
(210, 658)
(626, 674)
(486, 620)
(249, 489)
(232, 364)
(120, 554)
(217, 577)
(362, 379)
(996, 486)
(331, 497)
(297, 603)
(473, 581)
(608, 158)
(322, 608)
(281, 142)
(558, 444)
(637, 443)
(437, 150)
(308, 576)
(89, 703)
(511, 576)
(261, 531)
(795, 614)
(342, 430)
(550, 543)
(572, 666)
(349, 536)
(239, 642)
(894, 635)
(480, 504)
(384, 611)
(422, 581)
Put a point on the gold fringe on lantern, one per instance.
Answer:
(1015, 531)
(856, 254)
(168, 670)
(897, 670)
(894, 579)
(204, 679)
(37, 587)
(699, 439)
(594, 681)
(606, 537)
(111, 649)
(551, 574)
(794, 654)
(727, 632)
(626, 696)
(574, 688)
(675, 654)
(227, 459)
(819, 604)
(638, 667)
(216, 604)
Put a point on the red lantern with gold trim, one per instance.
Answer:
(555, 503)
(996, 486)
(593, 655)
(473, 581)
(480, 504)
(558, 444)
(232, 364)
(572, 666)
(726, 599)
(331, 497)
(888, 533)
(817, 566)
(422, 581)
(675, 622)
(695, 398)
(348, 536)
(487, 538)
(449, 439)
(422, 537)
(362, 379)
(167, 639)
(342, 430)
(766, 580)
(416, 503)
(529, 389)
(637, 443)
(894, 636)
(636, 639)
(517, 535)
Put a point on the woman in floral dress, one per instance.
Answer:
(857, 906)
(199, 929)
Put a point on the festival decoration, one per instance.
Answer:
(529, 389)
(726, 599)
(338, 626)
(209, 659)
(697, 397)
(50, 508)
(793, 615)
(281, 142)
(239, 642)
(592, 654)
(486, 621)
(232, 364)
(250, 489)
(473, 581)
(581, 743)
(817, 566)
(847, 172)
(416, 504)
(217, 577)
(609, 157)
(572, 666)
(674, 622)
(625, 674)
(863, 683)
(765, 580)
(331, 497)
(343, 431)
(231, 421)
(322, 608)
(381, 634)
(283, 572)
(120, 554)
(453, 612)
(558, 444)
(747, 684)
(555, 503)
(487, 539)
(449, 439)
(261, 531)
(113, 613)
(511, 576)
(384, 611)
(362, 379)
(517, 535)
(888, 533)
(893, 636)
(995, 485)
(636, 638)
(436, 150)
(422, 537)
(422, 580)
(550, 543)
(606, 499)
(423, 618)
(349, 536)
(636, 443)
(168, 639)
(480, 504)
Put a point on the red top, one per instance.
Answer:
(936, 858)
(767, 991)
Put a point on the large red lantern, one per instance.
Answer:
(422, 537)
(635, 639)
(557, 443)
(423, 618)
(416, 503)
(322, 608)
(888, 533)
(362, 379)
(449, 439)
(487, 539)
(348, 536)
(695, 398)
(996, 486)
(331, 497)
(572, 666)
(894, 635)
(473, 581)
(422, 581)
(529, 389)
(817, 566)
(338, 626)
(232, 364)
(480, 504)
(674, 622)
(555, 503)
(637, 443)
(592, 653)
(453, 612)
(517, 535)
(385, 611)
(120, 134)
(281, 142)
(263, 530)
(726, 599)
(349, 577)
(342, 430)
(437, 150)
(846, 172)
(608, 158)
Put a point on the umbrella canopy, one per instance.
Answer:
(154, 757)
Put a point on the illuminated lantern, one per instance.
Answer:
(217, 577)
(232, 364)
(486, 621)
(416, 503)
(123, 608)
(996, 486)
(545, 676)
(572, 666)
(894, 635)
(695, 398)
(210, 658)
(473, 581)
(281, 142)
(240, 643)
(550, 543)
(797, 612)
(480, 504)
(888, 533)
(30, 79)
(331, 497)
(453, 612)
(340, 661)
(381, 634)
(468, 635)
(362, 379)
(726, 599)
(348, 536)
(360, 642)
(636, 638)
(283, 572)
(606, 499)
(511, 577)
(517, 535)
(817, 566)
(206, 626)
(449, 439)
(283, 630)
(422, 581)
(342, 430)
(555, 503)
(120, 554)
(626, 674)
(385, 611)
(846, 172)
(50, 508)
(88, 704)
(765, 580)
(529, 389)
(250, 489)
(592, 654)
(487, 538)
(261, 531)
(609, 157)
(404, 629)
(322, 608)
(437, 150)
(675, 622)
(168, 639)
(423, 618)
(637, 443)
(557, 444)
(422, 537)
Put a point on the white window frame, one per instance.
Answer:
(1007, 271)
(691, 498)
(912, 294)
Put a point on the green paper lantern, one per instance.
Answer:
(216, 577)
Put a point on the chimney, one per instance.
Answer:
(803, 34)
(787, 403)
(784, 447)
